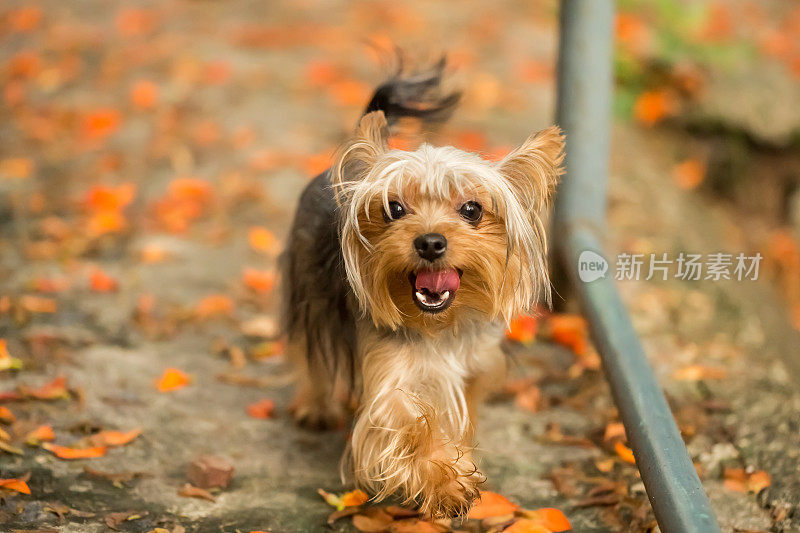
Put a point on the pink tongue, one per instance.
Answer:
(437, 281)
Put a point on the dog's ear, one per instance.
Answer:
(358, 155)
(533, 169)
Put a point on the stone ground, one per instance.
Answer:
(253, 97)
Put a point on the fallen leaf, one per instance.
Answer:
(6, 447)
(113, 438)
(6, 361)
(491, 504)
(37, 304)
(614, 430)
(214, 305)
(653, 106)
(740, 480)
(263, 240)
(101, 123)
(63, 452)
(376, 523)
(523, 329)
(262, 409)
(99, 281)
(144, 94)
(15, 484)
(625, 453)
(6, 416)
(689, 174)
(190, 491)
(39, 435)
(114, 520)
(53, 390)
(110, 198)
(16, 167)
(354, 498)
(25, 19)
(699, 373)
(569, 330)
(172, 379)
(259, 280)
(550, 518)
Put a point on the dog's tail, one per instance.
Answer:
(418, 95)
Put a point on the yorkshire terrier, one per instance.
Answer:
(401, 270)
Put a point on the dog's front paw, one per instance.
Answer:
(452, 490)
(315, 415)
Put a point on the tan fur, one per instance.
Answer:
(423, 375)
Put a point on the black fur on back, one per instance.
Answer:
(318, 308)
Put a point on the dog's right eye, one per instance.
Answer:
(396, 210)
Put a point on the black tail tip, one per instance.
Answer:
(419, 95)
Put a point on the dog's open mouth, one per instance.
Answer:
(434, 290)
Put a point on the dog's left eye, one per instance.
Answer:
(471, 211)
(396, 210)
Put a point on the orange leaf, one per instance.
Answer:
(631, 31)
(106, 222)
(110, 198)
(758, 481)
(348, 92)
(214, 304)
(523, 329)
(263, 240)
(40, 434)
(354, 498)
(114, 438)
(699, 373)
(262, 409)
(133, 21)
(740, 480)
(653, 106)
(321, 73)
(16, 167)
(553, 519)
(49, 391)
(101, 123)
(6, 415)
(36, 304)
(317, 163)
(15, 484)
(63, 452)
(259, 280)
(172, 379)
(525, 525)
(144, 94)
(570, 331)
(689, 174)
(492, 504)
(25, 19)
(735, 479)
(625, 453)
(153, 253)
(99, 281)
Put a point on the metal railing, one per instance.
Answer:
(584, 112)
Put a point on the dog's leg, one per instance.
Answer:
(489, 378)
(412, 433)
(317, 404)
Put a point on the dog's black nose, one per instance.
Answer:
(430, 246)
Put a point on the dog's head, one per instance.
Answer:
(437, 236)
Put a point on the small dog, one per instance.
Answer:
(400, 272)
